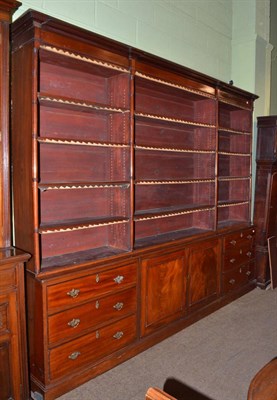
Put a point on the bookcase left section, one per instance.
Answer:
(76, 155)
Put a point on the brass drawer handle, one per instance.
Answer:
(249, 237)
(233, 242)
(118, 335)
(249, 254)
(241, 235)
(232, 281)
(74, 355)
(232, 260)
(118, 306)
(73, 293)
(248, 273)
(119, 279)
(74, 322)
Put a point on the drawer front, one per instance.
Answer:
(92, 347)
(241, 238)
(238, 277)
(238, 255)
(76, 291)
(70, 323)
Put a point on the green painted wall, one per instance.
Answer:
(273, 41)
(194, 33)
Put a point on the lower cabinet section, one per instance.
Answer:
(72, 322)
(84, 322)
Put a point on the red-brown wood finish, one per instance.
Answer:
(265, 206)
(164, 286)
(157, 394)
(7, 7)
(13, 354)
(133, 172)
(204, 273)
(263, 386)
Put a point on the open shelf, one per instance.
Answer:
(76, 236)
(168, 237)
(65, 163)
(66, 118)
(168, 196)
(233, 190)
(163, 133)
(80, 202)
(80, 256)
(234, 142)
(233, 213)
(233, 164)
(170, 165)
(162, 225)
(62, 74)
(234, 118)
(163, 100)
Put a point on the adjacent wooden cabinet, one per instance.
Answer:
(133, 172)
(265, 210)
(13, 350)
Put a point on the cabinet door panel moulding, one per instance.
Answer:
(134, 171)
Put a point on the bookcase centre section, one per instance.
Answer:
(84, 156)
(175, 141)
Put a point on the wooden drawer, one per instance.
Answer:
(76, 291)
(238, 277)
(241, 238)
(70, 323)
(242, 253)
(90, 348)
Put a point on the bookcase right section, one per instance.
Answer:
(234, 160)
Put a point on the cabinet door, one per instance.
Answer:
(204, 262)
(6, 391)
(163, 290)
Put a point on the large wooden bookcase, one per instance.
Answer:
(132, 182)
